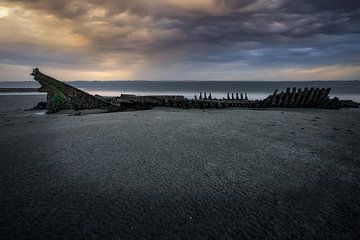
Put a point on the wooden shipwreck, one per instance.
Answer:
(61, 96)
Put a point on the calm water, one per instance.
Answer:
(218, 89)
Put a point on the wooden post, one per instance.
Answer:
(328, 91)
(324, 97)
(309, 98)
(297, 98)
(273, 98)
(315, 98)
(292, 97)
(286, 98)
(319, 97)
(304, 96)
(279, 99)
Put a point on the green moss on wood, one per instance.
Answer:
(58, 98)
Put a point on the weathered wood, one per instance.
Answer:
(292, 97)
(334, 103)
(62, 96)
(314, 99)
(309, 98)
(316, 96)
(348, 104)
(324, 97)
(279, 99)
(304, 97)
(297, 98)
(328, 91)
(286, 97)
(273, 98)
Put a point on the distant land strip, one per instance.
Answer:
(6, 90)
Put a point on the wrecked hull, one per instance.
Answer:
(61, 96)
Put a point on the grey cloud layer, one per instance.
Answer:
(250, 32)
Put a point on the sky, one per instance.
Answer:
(245, 40)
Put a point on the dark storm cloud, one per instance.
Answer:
(305, 6)
(302, 33)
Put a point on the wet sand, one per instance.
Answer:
(179, 174)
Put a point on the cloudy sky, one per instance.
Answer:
(181, 39)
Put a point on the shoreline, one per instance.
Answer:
(17, 90)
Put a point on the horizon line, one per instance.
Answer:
(139, 80)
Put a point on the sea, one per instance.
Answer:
(345, 90)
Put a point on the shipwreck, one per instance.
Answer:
(61, 96)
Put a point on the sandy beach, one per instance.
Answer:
(179, 174)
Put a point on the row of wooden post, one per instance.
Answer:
(295, 98)
(201, 97)
(307, 98)
(237, 96)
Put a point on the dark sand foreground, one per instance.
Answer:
(179, 174)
